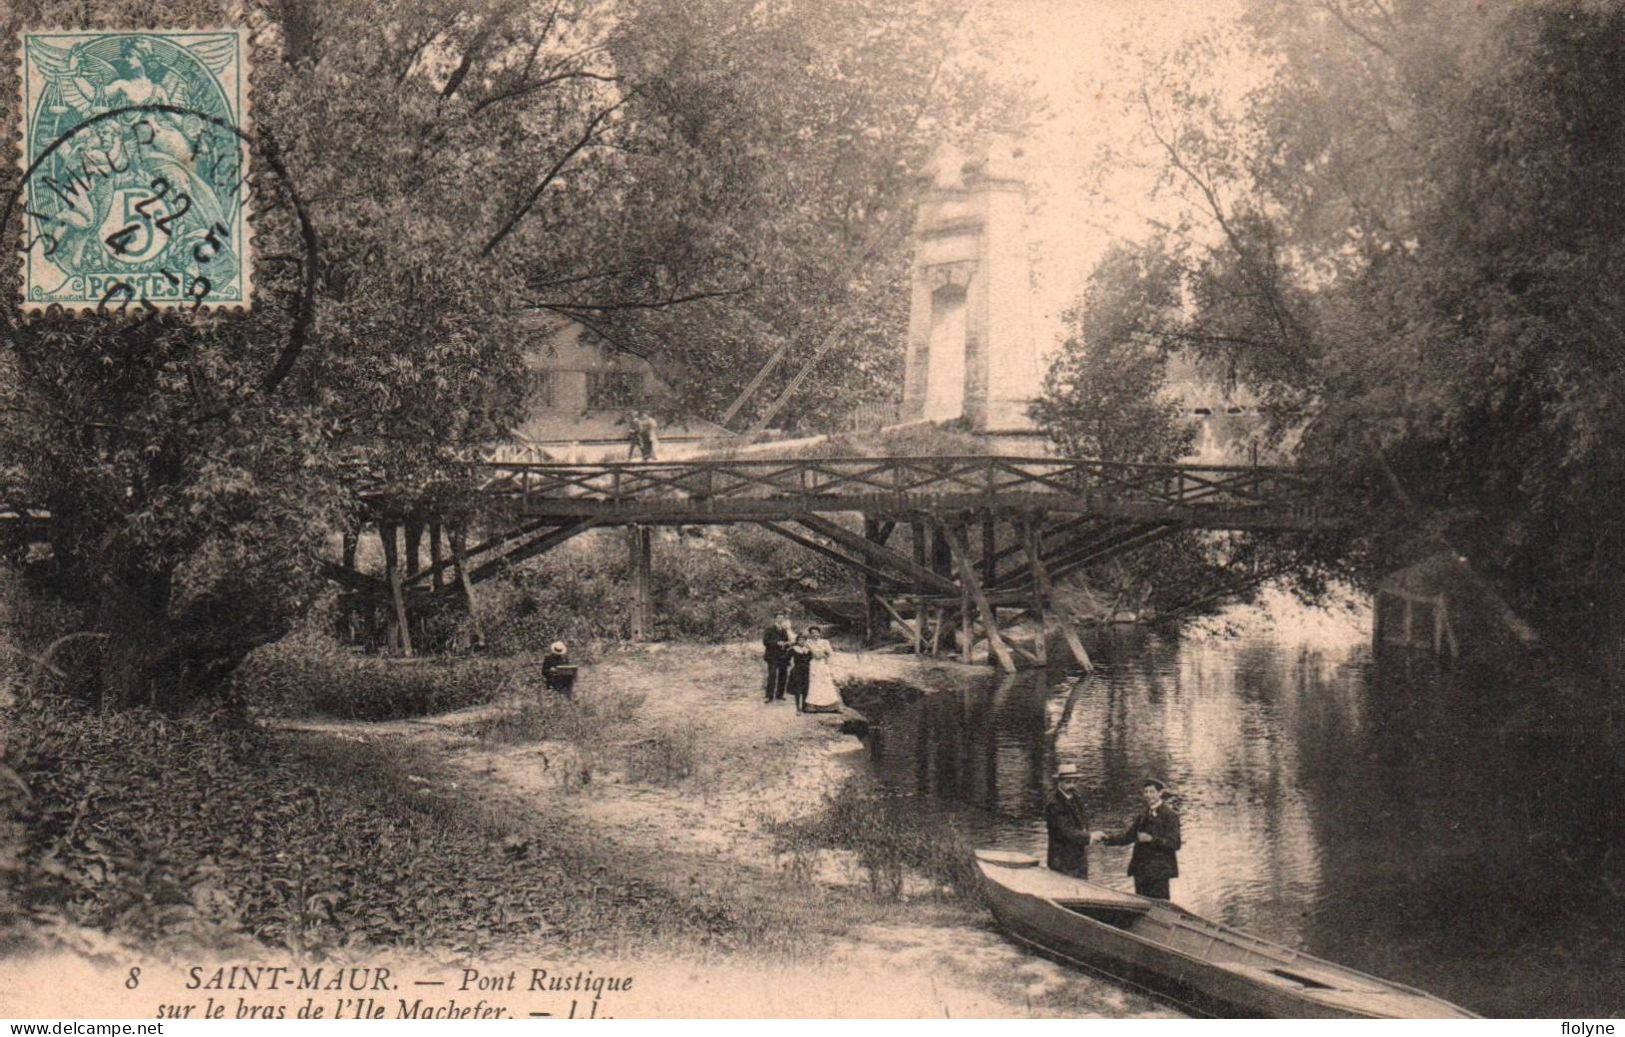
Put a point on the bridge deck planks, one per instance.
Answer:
(1190, 496)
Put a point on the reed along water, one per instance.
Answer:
(1456, 828)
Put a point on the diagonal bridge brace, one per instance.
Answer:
(972, 590)
(1091, 533)
(879, 555)
(1136, 537)
(546, 542)
(829, 552)
(500, 540)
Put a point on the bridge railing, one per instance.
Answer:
(987, 476)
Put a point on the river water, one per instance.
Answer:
(1441, 828)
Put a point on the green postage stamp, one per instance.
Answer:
(135, 151)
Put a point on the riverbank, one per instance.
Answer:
(677, 784)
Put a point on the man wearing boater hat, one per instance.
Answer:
(1155, 835)
(1068, 823)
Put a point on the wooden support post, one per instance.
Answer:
(458, 538)
(876, 554)
(941, 560)
(435, 562)
(917, 529)
(1040, 606)
(973, 591)
(485, 547)
(1016, 649)
(1438, 624)
(897, 619)
(414, 543)
(1046, 593)
(989, 549)
(967, 625)
(873, 619)
(392, 571)
(639, 554)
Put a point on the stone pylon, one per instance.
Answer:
(972, 352)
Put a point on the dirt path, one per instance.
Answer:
(677, 790)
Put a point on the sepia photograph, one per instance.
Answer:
(812, 509)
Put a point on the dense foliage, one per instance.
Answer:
(1106, 396)
(703, 182)
(1407, 242)
(1103, 396)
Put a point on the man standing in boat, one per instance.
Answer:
(1155, 835)
(1068, 824)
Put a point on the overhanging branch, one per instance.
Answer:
(644, 304)
(552, 174)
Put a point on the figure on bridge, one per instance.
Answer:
(641, 438)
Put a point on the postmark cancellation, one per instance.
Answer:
(135, 154)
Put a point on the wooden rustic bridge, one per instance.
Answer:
(1039, 520)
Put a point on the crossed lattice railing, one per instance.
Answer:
(821, 481)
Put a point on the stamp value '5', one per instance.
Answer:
(135, 154)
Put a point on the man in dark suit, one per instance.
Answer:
(1155, 835)
(1068, 824)
(776, 642)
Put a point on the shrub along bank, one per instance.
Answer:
(709, 585)
(889, 838)
(307, 677)
(715, 587)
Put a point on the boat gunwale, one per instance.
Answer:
(1297, 955)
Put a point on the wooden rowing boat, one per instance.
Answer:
(1201, 965)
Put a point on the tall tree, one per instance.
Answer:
(423, 171)
(1104, 394)
(1408, 242)
(815, 121)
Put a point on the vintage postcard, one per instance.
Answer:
(812, 509)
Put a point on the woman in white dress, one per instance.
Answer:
(821, 694)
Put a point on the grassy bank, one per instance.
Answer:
(889, 841)
(310, 677)
(666, 815)
(198, 833)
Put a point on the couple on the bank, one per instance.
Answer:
(1154, 833)
(798, 665)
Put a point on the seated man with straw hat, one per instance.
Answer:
(558, 674)
(1068, 823)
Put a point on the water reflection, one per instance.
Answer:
(1447, 830)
